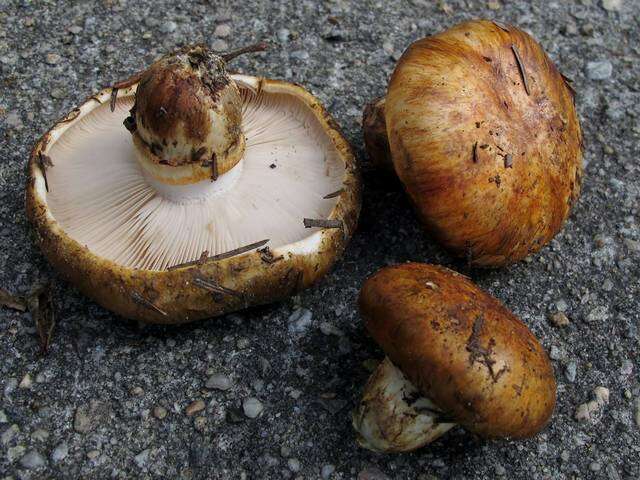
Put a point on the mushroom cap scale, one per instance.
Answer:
(485, 137)
(461, 348)
(135, 286)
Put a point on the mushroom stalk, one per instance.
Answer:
(186, 123)
(393, 416)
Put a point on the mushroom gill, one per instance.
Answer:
(104, 199)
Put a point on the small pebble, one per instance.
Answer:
(283, 35)
(302, 55)
(600, 70)
(295, 394)
(242, 343)
(285, 451)
(219, 381)
(194, 407)
(168, 27)
(252, 407)
(372, 474)
(159, 412)
(602, 395)
(136, 391)
(627, 368)
(200, 423)
(8, 434)
(330, 329)
(570, 29)
(3, 417)
(584, 411)
(559, 319)
(327, 470)
(595, 466)
(570, 371)
(53, 58)
(493, 5)
(293, 464)
(587, 29)
(32, 460)
(16, 452)
(562, 305)
(565, 456)
(75, 29)
(40, 435)
(93, 454)
(14, 120)
(612, 5)
(142, 458)
(300, 320)
(500, 470)
(598, 314)
(257, 385)
(60, 452)
(612, 473)
(223, 30)
(58, 93)
(82, 421)
(632, 245)
(220, 45)
(26, 382)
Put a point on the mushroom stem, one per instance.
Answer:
(393, 416)
(256, 47)
(375, 135)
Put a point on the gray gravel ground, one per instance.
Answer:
(114, 399)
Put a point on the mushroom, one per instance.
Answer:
(221, 191)
(482, 130)
(455, 355)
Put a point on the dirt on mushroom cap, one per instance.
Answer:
(486, 139)
(461, 348)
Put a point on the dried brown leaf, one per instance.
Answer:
(40, 302)
(11, 301)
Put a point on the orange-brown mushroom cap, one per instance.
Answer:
(485, 137)
(461, 348)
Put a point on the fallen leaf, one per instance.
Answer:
(40, 303)
(11, 301)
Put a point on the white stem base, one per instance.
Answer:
(393, 416)
(196, 192)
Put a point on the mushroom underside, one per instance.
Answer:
(103, 199)
(393, 416)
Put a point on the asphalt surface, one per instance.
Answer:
(111, 398)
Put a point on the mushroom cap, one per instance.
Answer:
(141, 267)
(187, 115)
(492, 169)
(461, 348)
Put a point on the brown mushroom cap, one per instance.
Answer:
(461, 348)
(484, 136)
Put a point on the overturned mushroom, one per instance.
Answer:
(455, 355)
(197, 205)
